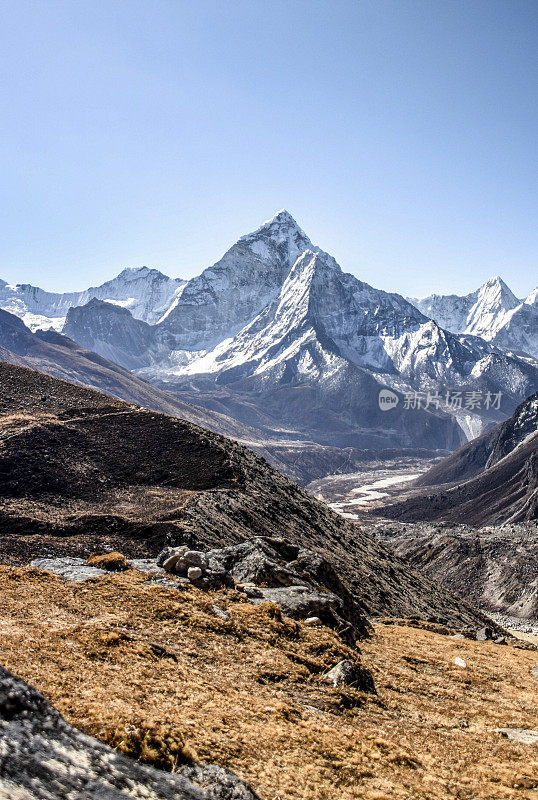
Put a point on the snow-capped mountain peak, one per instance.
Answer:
(225, 297)
(532, 299)
(280, 235)
(488, 315)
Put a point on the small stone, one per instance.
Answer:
(169, 564)
(459, 662)
(349, 674)
(196, 558)
(252, 591)
(521, 735)
(484, 634)
(220, 613)
(170, 552)
(500, 640)
(457, 636)
(194, 574)
(534, 671)
(313, 622)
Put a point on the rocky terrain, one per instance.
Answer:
(114, 475)
(494, 567)
(42, 756)
(178, 679)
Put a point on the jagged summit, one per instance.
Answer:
(501, 291)
(281, 231)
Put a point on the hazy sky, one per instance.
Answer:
(401, 134)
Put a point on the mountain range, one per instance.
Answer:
(492, 312)
(278, 338)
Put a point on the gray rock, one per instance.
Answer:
(521, 735)
(172, 556)
(42, 757)
(70, 568)
(252, 591)
(313, 622)
(273, 565)
(484, 634)
(169, 552)
(534, 671)
(349, 674)
(220, 613)
(302, 602)
(194, 574)
(196, 558)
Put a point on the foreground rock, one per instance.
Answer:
(346, 673)
(43, 757)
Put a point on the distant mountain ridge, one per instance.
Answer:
(492, 312)
(145, 292)
(276, 336)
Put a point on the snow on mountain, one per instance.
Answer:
(493, 304)
(223, 298)
(450, 311)
(146, 293)
(519, 331)
(277, 336)
(479, 313)
(321, 325)
(493, 312)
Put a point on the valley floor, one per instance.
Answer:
(163, 674)
(352, 495)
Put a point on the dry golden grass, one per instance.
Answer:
(158, 674)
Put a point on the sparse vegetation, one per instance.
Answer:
(158, 674)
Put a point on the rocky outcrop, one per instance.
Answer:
(299, 581)
(42, 757)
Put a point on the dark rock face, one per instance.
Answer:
(507, 493)
(494, 568)
(43, 757)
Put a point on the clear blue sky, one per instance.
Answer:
(401, 134)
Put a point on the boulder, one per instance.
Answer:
(271, 569)
(194, 574)
(42, 757)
